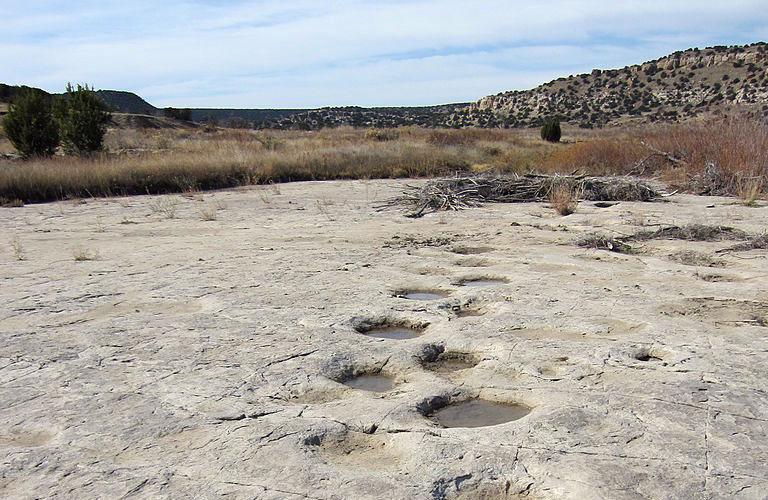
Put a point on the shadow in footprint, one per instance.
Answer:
(388, 328)
(448, 363)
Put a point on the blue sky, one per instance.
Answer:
(309, 53)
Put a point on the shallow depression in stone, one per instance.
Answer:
(478, 413)
(423, 294)
(450, 362)
(394, 332)
(372, 382)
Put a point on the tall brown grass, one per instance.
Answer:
(737, 146)
(177, 161)
(168, 161)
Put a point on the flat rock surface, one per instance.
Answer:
(147, 352)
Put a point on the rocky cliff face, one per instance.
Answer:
(676, 87)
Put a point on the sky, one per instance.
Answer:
(312, 53)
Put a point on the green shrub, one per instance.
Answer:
(184, 114)
(30, 126)
(550, 130)
(82, 118)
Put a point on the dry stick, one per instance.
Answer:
(669, 156)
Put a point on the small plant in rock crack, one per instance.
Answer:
(165, 207)
(17, 249)
(81, 254)
(208, 214)
(100, 227)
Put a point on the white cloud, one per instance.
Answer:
(310, 53)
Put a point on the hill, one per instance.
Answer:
(254, 116)
(127, 102)
(120, 101)
(425, 116)
(680, 86)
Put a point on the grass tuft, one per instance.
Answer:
(17, 249)
(564, 199)
(81, 254)
(693, 258)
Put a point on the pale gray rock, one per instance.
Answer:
(208, 359)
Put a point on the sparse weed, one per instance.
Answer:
(691, 232)
(209, 213)
(693, 258)
(10, 203)
(748, 190)
(264, 195)
(82, 254)
(165, 206)
(755, 243)
(100, 227)
(17, 249)
(564, 199)
(638, 219)
(322, 207)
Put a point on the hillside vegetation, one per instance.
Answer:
(355, 116)
(685, 85)
(681, 86)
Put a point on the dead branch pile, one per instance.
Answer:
(756, 243)
(691, 232)
(464, 192)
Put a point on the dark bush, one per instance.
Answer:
(550, 130)
(184, 114)
(30, 126)
(82, 119)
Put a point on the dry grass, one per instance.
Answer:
(17, 249)
(82, 254)
(177, 161)
(165, 206)
(694, 258)
(564, 199)
(691, 232)
(200, 161)
(756, 243)
(737, 146)
(209, 213)
(10, 203)
(748, 190)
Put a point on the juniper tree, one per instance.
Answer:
(550, 130)
(82, 117)
(30, 126)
